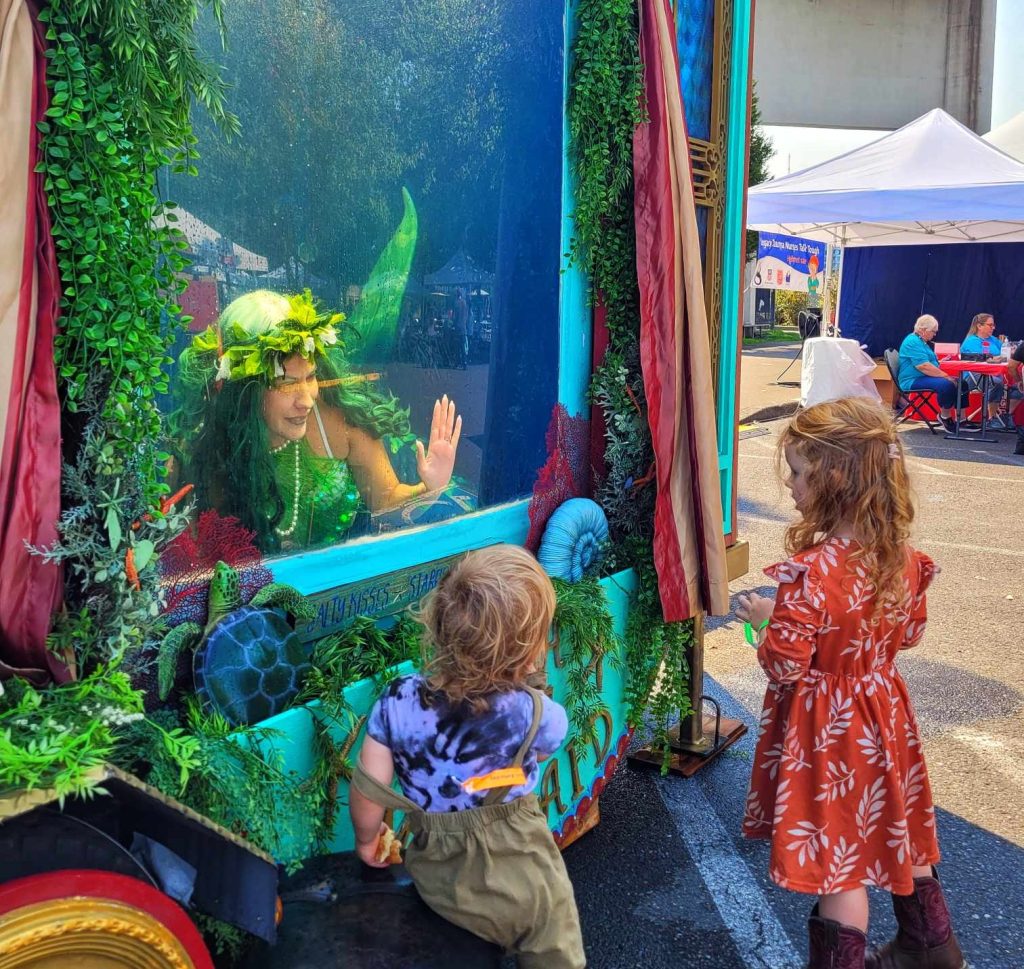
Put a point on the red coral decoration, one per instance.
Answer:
(566, 473)
(611, 763)
(186, 565)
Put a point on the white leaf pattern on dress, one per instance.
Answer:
(812, 688)
(913, 785)
(808, 840)
(840, 868)
(900, 840)
(781, 801)
(861, 590)
(840, 716)
(771, 759)
(793, 757)
(873, 747)
(753, 812)
(839, 783)
(877, 876)
(872, 801)
(910, 729)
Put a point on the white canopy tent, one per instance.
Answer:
(932, 181)
(1009, 136)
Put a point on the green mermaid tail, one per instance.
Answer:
(375, 319)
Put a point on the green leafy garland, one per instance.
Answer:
(122, 78)
(586, 639)
(606, 104)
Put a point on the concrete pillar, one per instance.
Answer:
(874, 63)
(970, 45)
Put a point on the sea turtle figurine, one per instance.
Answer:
(248, 662)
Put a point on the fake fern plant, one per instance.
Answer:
(606, 103)
(586, 640)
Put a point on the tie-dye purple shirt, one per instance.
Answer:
(437, 746)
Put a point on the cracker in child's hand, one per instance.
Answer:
(389, 848)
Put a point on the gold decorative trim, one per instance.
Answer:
(88, 933)
(705, 160)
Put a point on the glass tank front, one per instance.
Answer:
(374, 285)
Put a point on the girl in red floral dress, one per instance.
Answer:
(839, 783)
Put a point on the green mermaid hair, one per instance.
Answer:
(218, 427)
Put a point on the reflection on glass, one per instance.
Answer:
(402, 163)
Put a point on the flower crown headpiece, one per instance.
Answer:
(256, 347)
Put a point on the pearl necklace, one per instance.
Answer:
(286, 532)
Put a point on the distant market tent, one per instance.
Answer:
(1009, 136)
(933, 181)
(927, 216)
(204, 239)
(460, 270)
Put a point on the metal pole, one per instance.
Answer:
(691, 727)
(839, 282)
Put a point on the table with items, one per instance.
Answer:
(986, 371)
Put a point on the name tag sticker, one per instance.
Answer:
(506, 777)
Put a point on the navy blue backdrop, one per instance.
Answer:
(885, 288)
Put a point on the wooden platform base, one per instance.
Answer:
(685, 761)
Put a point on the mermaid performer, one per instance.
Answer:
(274, 434)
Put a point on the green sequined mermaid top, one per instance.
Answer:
(320, 496)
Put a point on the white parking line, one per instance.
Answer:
(924, 543)
(759, 938)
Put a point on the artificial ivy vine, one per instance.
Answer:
(586, 640)
(606, 104)
(122, 78)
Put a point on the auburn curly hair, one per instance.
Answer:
(487, 625)
(856, 474)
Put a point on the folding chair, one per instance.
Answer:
(907, 404)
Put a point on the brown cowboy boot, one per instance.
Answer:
(925, 938)
(833, 945)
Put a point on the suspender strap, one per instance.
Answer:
(373, 790)
(495, 795)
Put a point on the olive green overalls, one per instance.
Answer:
(494, 870)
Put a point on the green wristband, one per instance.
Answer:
(748, 632)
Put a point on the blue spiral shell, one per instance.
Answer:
(574, 539)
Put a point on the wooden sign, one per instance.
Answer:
(384, 595)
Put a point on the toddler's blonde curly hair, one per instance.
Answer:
(487, 624)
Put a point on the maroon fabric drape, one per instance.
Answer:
(30, 464)
(689, 546)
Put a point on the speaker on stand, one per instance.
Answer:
(808, 322)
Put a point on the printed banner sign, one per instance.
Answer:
(385, 595)
(788, 262)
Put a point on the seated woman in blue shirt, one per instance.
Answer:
(980, 339)
(919, 368)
